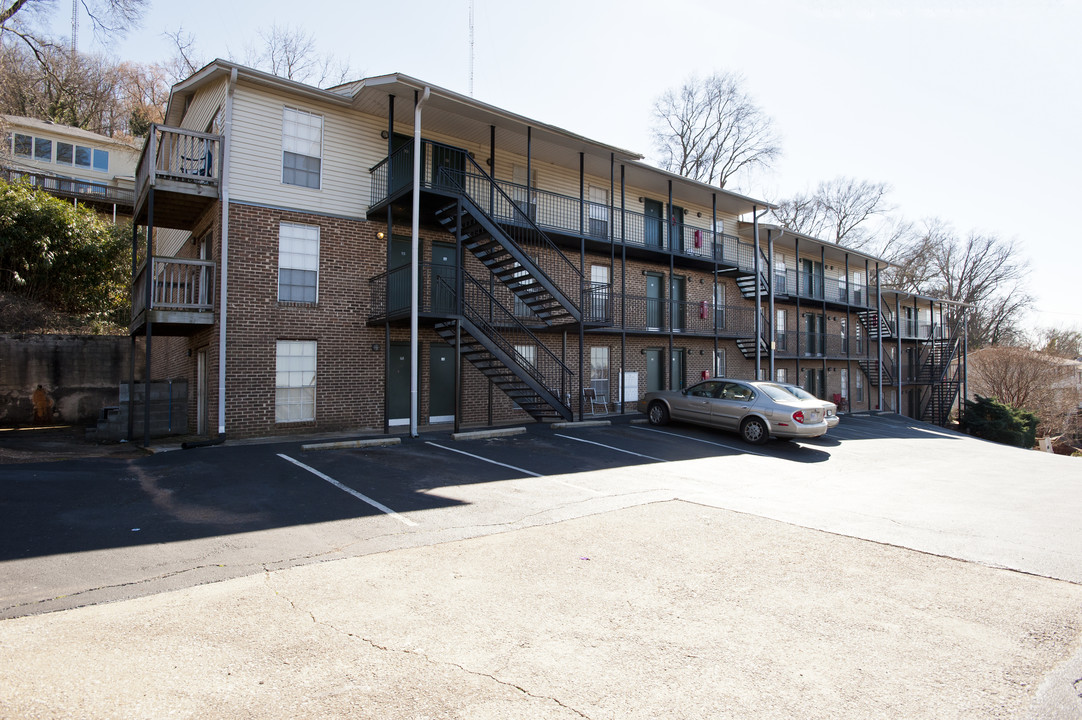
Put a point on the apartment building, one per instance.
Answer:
(555, 275)
(69, 162)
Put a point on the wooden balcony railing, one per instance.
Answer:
(177, 154)
(177, 284)
(72, 188)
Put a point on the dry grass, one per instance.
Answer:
(21, 315)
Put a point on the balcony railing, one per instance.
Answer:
(514, 204)
(817, 287)
(177, 284)
(797, 343)
(72, 187)
(177, 154)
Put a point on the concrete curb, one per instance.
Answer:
(350, 444)
(582, 424)
(484, 434)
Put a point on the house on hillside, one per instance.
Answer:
(556, 275)
(69, 162)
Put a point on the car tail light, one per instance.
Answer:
(799, 416)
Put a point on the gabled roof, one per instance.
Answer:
(455, 115)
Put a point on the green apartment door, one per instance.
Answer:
(654, 302)
(654, 374)
(441, 384)
(398, 275)
(444, 277)
(677, 369)
(676, 303)
(398, 384)
(652, 222)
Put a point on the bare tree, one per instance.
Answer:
(842, 210)
(1061, 342)
(292, 53)
(24, 19)
(711, 129)
(1039, 382)
(87, 91)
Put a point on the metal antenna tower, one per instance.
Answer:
(471, 48)
(74, 26)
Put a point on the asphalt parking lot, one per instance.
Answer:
(135, 531)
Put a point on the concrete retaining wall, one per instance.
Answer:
(79, 374)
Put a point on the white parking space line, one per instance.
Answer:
(708, 442)
(484, 459)
(378, 505)
(610, 447)
(517, 469)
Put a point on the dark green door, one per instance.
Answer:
(448, 168)
(676, 228)
(652, 222)
(441, 378)
(677, 369)
(398, 384)
(654, 302)
(654, 375)
(401, 164)
(398, 275)
(443, 278)
(676, 304)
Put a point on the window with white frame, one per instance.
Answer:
(24, 146)
(599, 292)
(858, 387)
(295, 381)
(781, 375)
(844, 377)
(599, 211)
(302, 148)
(599, 371)
(298, 262)
(719, 305)
(528, 356)
(719, 363)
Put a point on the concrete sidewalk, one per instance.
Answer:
(670, 610)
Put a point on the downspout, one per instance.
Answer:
(879, 338)
(227, 133)
(415, 260)
(758, 295)
(770, 240)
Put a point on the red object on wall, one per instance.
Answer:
(702, 310)
(698, 238)
(706, 374)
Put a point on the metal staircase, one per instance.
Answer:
(746, 283)
(507, 261)
(509, 354)
(942, 373)
(870, 367)
(876, 323)
(747, 347)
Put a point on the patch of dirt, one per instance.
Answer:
(22, 315)
(62, 442)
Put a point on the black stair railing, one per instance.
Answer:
(500, 326)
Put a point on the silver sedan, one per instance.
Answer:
(830, 408)
(754, 409)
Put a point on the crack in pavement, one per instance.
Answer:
(413, 653)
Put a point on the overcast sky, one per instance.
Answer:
(970, 110)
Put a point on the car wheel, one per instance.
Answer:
(657, 413)
(753, 430)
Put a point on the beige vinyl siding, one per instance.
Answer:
(169, 241)
(204, 106)
(351, 145)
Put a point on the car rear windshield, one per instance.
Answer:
(775, 392)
